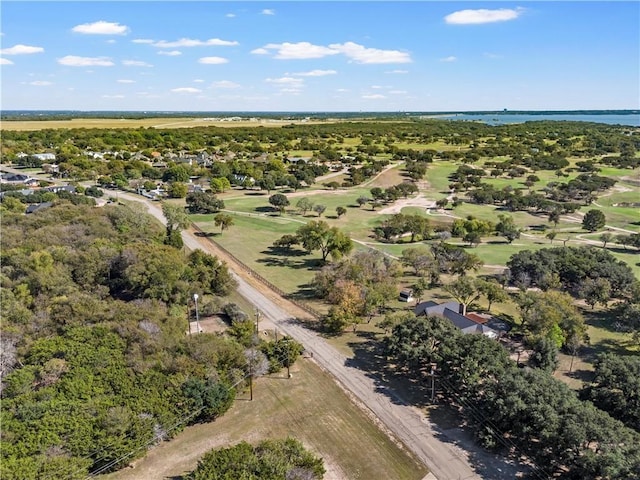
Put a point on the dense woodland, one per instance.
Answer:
(96, 366)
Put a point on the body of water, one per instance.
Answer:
(506, 118)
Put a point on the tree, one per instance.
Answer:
(319, 209)
(545, 355)
(176, 220)
(286, 241)
(340, 211)
(551, 236)
(554, 217)
(362, 200)
(493, 291)
(203, 202)
(442, 203)
(220, 184)
(464, 290)
(507, 228)
(279, 201)
(615, 387)
(543, 312)
(593, 220)
(223, 221)
(178, 190)
(318, 235)
(270, 459)
(304, 205)
(595, 291)
(606, 238)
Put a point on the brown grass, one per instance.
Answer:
(310, 407)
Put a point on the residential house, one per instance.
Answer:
(453, 311)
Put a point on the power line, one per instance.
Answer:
(176, 425)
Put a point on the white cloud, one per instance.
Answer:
(21, 50)
(40, 83)
(112, 96)
(143, 40)
(188, 42)
(375, 96)
(124, 80)
(170, 53)
(198, 80)
(230, 15)
(268, 11)
(398, 92)
(135, 63)
(492, 55)
(213, 60)
(4, 61)
(101, 28)
(186, 90)
(111, 41)
(315, 73)
(364, 55)
(225, 84)
(75, 61)
(342, 90)
(450, 58)
(471, 17)
(397, 72)
(285, 81)
(296, 51)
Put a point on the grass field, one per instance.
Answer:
(310, 407)
(30, 125)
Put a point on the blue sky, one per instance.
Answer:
(319, 56)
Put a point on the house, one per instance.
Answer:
(453, 311)
(38, 206)
(406, 295)
(44, 157)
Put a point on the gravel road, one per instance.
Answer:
(446, 461)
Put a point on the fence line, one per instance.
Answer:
(311, 311)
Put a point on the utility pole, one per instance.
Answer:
(195, 298)
(257, 320)
(250, 380)
(433, 381)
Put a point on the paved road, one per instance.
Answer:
(446, 461)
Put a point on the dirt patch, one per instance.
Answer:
(417, 201)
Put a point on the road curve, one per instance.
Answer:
(446, 461)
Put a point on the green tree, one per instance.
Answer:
(270, 459)
(318, 235)
(223, 221)
(545, 355)
(304, 205)
(220, 184)
(203, 202)
(340, 211)
(593, 220)
(279, 201)
(176, 220)
(507, 228)
(319, 209)
(493, 291)
(464, 290)
(178, 190)
(606, 238)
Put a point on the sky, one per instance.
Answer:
(328, 56)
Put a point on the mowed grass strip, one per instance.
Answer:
(310, 407)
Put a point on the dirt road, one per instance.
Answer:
(445, 460)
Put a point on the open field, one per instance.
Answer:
(187, 122)
(310, 407)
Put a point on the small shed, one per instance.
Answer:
(406, 295)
